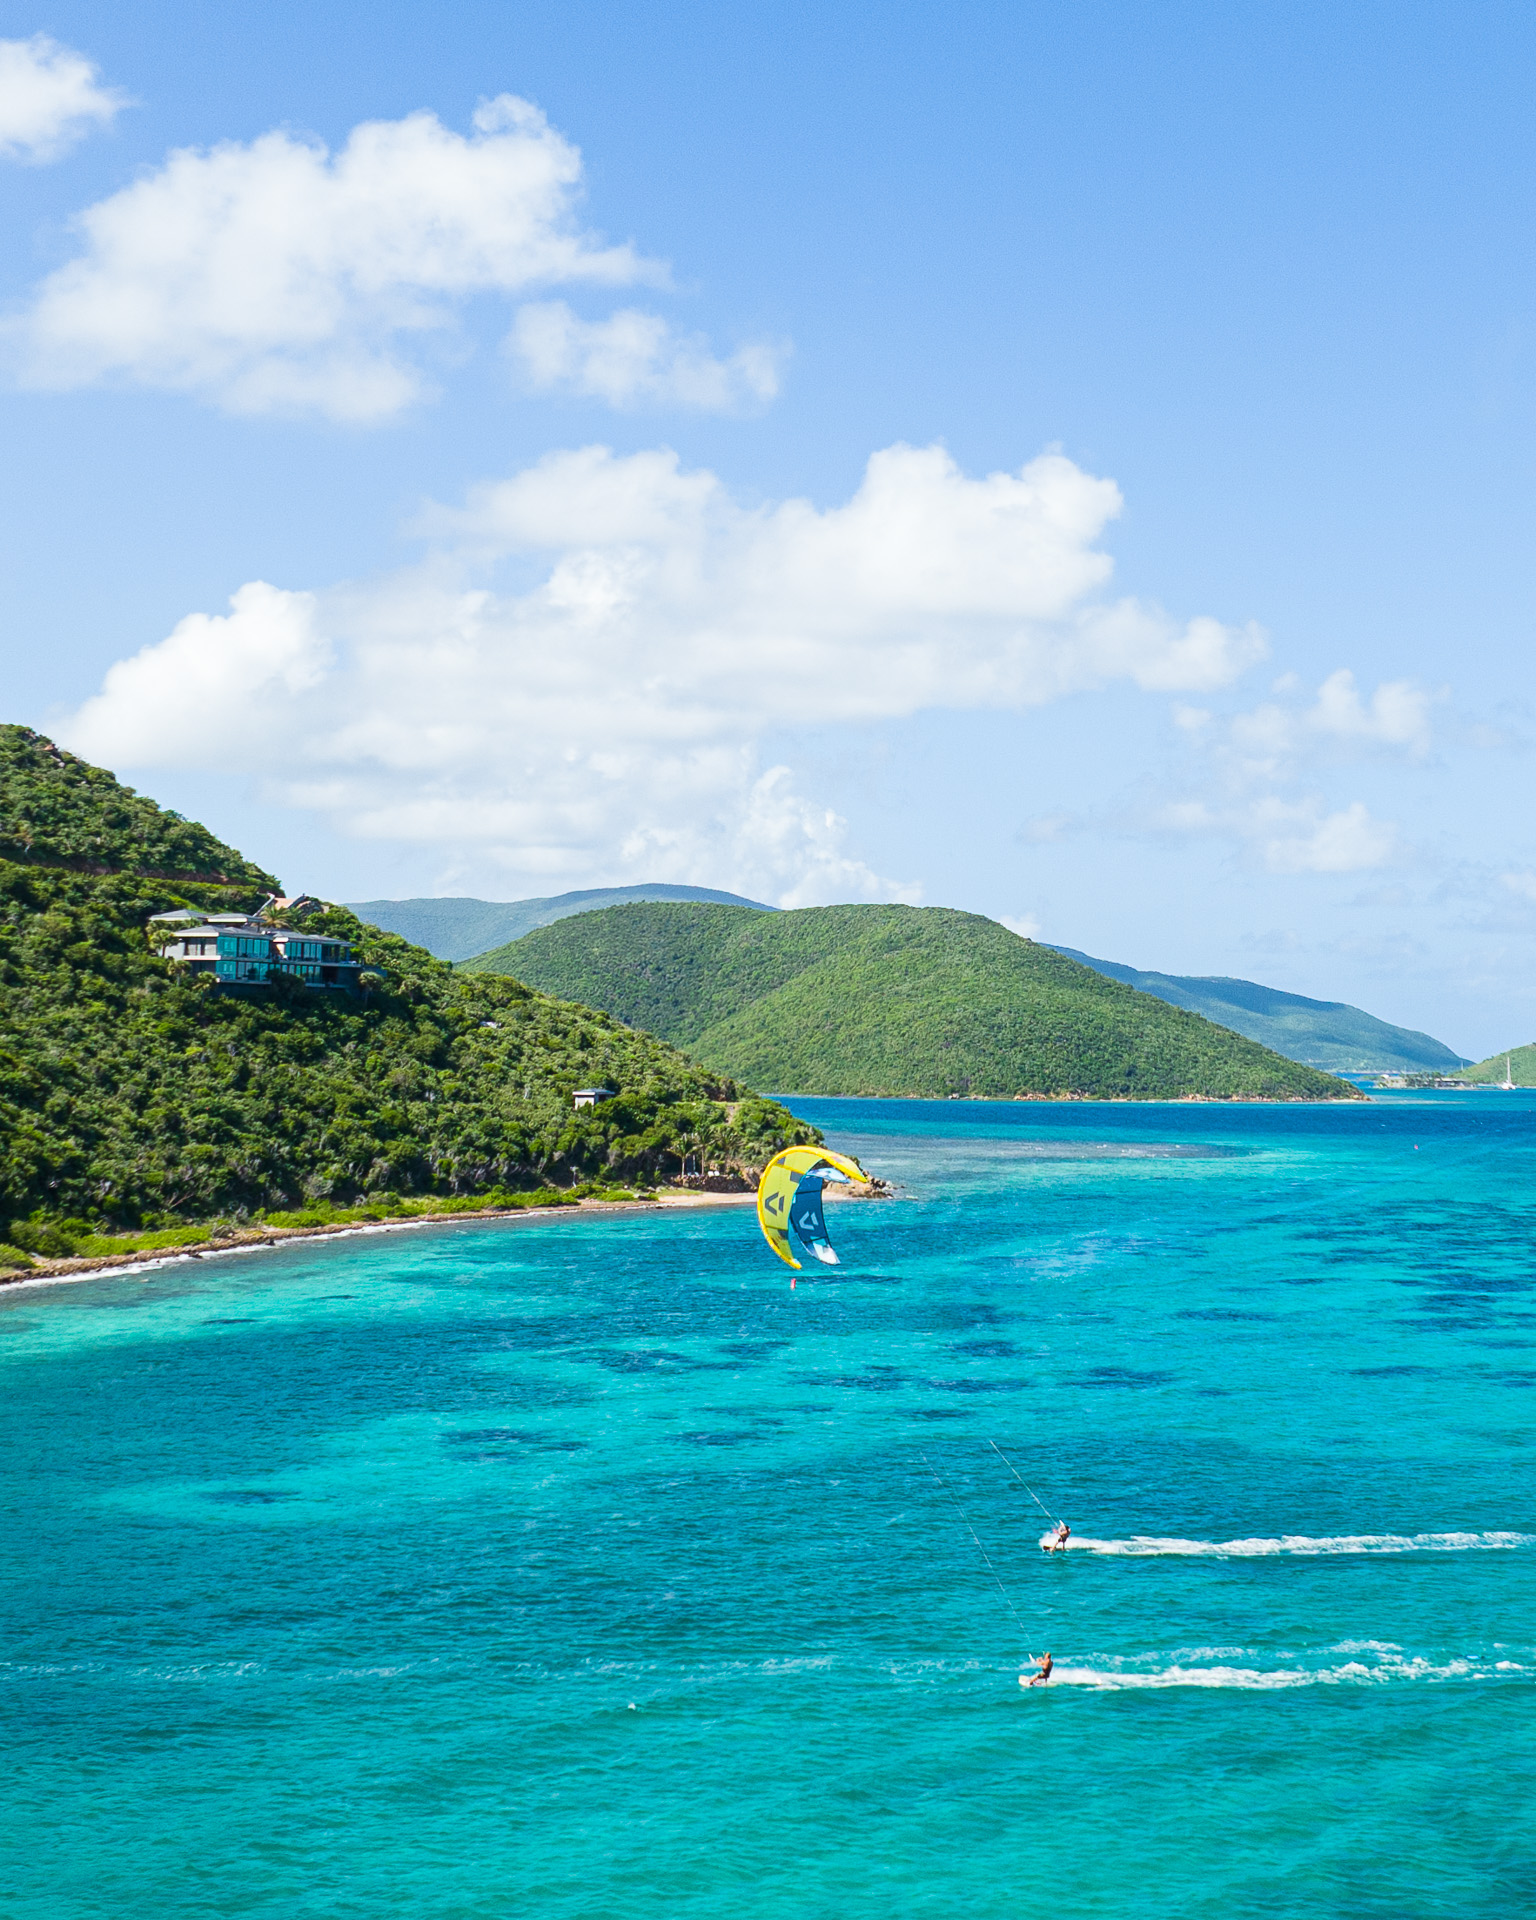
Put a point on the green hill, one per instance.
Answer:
(57, 811)
(1521, 1067)
(891, 1000)
(1328, 1034)
(457, 929)
(133, 1095)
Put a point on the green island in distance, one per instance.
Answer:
(142, 1106)
(891, 1000)
(1519, 1063)
(1328, 1034)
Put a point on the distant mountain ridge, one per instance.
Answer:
(881, 1000)
(460, 928)
(1327, 1034)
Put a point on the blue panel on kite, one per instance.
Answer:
(808, 1223)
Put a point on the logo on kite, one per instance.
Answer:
(790, 1192)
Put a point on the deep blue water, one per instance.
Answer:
(582, 1568)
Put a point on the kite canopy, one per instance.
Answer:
(789, 1201)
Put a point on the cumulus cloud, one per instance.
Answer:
(1397, 714)
(1291, 836)
(1396, 718)
(635, 359)
(209, 688)
(927, 589)
(1349, 841)
(278, 276)
(602, 714)
(1253, 763)
(50, 98)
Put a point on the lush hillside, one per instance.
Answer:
(1320, 1033)
(459, 929)
(59, 811)
(891, 1000)
(133, 1095)
(1518, 1062)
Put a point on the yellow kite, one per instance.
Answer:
(789, 1200)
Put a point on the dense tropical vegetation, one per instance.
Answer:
(133, 1095)
(59, 811)
(891, 1000)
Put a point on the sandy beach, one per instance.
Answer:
(263, 1239)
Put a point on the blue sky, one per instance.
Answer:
(1237, 300)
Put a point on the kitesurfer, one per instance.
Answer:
(1059, 1538)
(1045, 1664)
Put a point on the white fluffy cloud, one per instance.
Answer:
(277, 276)
(214, 682)
(1291, 836)
(1254, 761)
(1348, 841)
(603, 716)
(50, 98)
(1397, 714)
(926, 589)
(635, 359)
(1396, 718)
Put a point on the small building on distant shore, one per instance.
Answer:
(589, 1096)
(243, 950)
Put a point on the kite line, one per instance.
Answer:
(1053, 1518)
(986, 1557)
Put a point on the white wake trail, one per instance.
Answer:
(1387, 1667)
(1143, 1545)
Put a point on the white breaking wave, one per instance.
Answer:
(1383, 1671)
(1145, 1544)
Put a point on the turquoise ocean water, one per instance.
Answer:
(582, 1568)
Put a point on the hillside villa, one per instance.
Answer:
(244, 950)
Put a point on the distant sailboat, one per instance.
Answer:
(1507, 1084)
